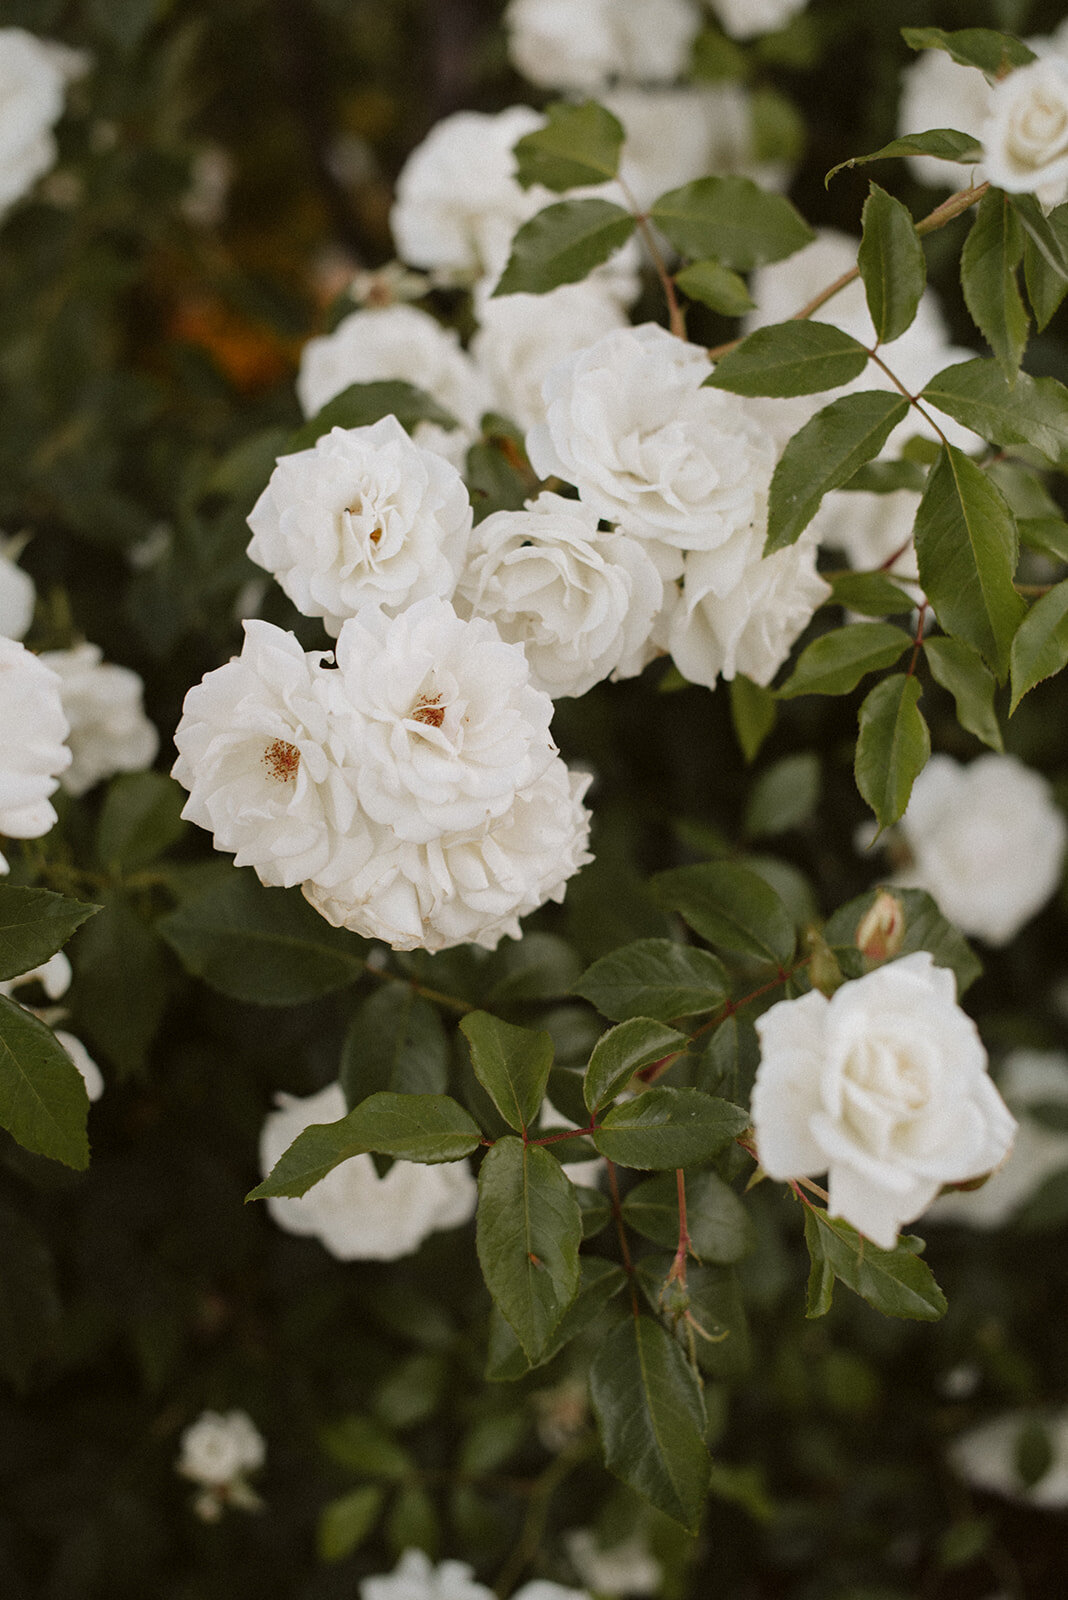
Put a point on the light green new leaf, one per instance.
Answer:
(753, 713)
(945, 143)
(562, 244)
(512, 1065)
(599, 1282)
(651, 1418)
(790, 358)
(891, 263)
(895, 1282)
(346, 1522)
(733, 220)
(716, 1220)
(619, 1053)
(835, 662)
(34, 924)
(668, 1128)
(655, 978)
(988, 263)
(578, 145)
(529, 1229)
(140, 819)
(783, 797)
(990, 51)
(365, 1448)
(892, 747)
(825, 454)
(967, 548)
(43, 1102)
(715, 286)
(925, 929)
(1032, 412)
(1040, 647)
(364, 403)
(730, 906)
(429, 1128)
(959, 669)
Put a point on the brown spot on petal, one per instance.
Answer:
(282, 761)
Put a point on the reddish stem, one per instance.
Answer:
(621, 1231)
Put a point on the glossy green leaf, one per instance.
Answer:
(364, 403)
(892, 747)
(346, 1522)
(651, 1418)
(34, 924)
(578, 145)
(892, 264)
(896, 1282)
(825, 454)
(140, 819)
(717, 1221)
(43, 1103)
(396, 1041)
(1046, 237)
(967, 548)
(753, 713)
(872, 594)
(887, 477)
(714, 1303)
(925, 929)
(741, 225)
(1040, 647)
(945, 143)
(668, 1128)
(1033, 412)
(599, 1282)
(1048, 535)
(655, 978)
(790, 358)
(783, 797)
(730, 906)
(512, 1065)
(988, 263)
(619, 1053)
(958, 668)
(1046, 282)
(715, 286)
(991, 52)
(562, 244)
(121, 982)
(835, 662)
(728, 1064)
(529, 1229)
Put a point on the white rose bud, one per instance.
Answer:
(33, 728)
(109, 731)
(885, 1087)
(1025, 137)
(365, 517)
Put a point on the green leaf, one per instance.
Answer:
(34, 924)
(1040, 647)
(784, 796)
(512, 1065)
(539, 966)
(895, 1282)
(528, 1233)
(925, 929)
(668, 1128)
(651, 1418)
(599, 1282)
(346, 1522)
(733, 220)
(966, 545)
(753, 713)
(730, 906)
(396, 1041)
(364, 403)
(835, 662)
(1046, 238)
(717, 1221)
(140, 819)
(43, 1103)
(121, 983)
(562, 244)
(428, 1128)
(1046, 282)
(993, 53)
(655, 978)
(364, 1447)
(714, 1301)
(31, 1312)
(265, 946)
(891, 263)
(892, 748)
(790, 358)
(1048, 535)
(825, 454)
(945, 143)
(959, 669)
(988, 264)
(872, 594)
(1033, 412)
(731, 1056)
(715, 286)
(886, 477)
(619, 1053)
(577, 145)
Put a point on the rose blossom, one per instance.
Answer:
(987, 841)
(580, 602)
(986, 1457)
(364, 517)
(744, 19)
(33, 728)
(583, 44)
(870, 528)
(622, 1569)
(103, 702)
(415, 1577)
(18, 596)
(354, 1213)
(34, 74)
(1025, 136)
(937, 92)
(885, 1087)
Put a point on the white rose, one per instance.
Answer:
(415, 1577)
(91, 1074)
(18, 596)
(220, 1447)
(355, 1214)
(744, 19)
(621, 1569)
(445, 726)
(1025, 136)
(54, 976)
(580, 602)
(103, 702)
(987, 841)
(542, 1589)
(34, 74)
(986, 1458)
(885, 1087)
(365, 517)
(1028, 1078)
(33, 752)
(869, 528)
(522, 336)
(739, 610)
(937, 92)
(582, 44)
(677, 465)
(262, 751)
(468, 890)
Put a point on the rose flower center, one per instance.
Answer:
(282, 761)
(429, 711)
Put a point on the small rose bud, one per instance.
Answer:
(881, 931)
(823, 968)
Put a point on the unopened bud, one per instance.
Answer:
(823, 969)
(881, 931)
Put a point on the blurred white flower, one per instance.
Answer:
(18, 595)
(219, 1447)
(354, 1213)
(415, 1577)
(33, 752)
(937, 92)
(54, 976)
(584, 44)
(744, 19)
(986, 1457)
(364, 517)
(869, 528)
(620, 1569)
(93, 1077)
(104, 704)
(1025, 135)
(210, 180)
(34, 74)
(885, 1087)
(542, 1589)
